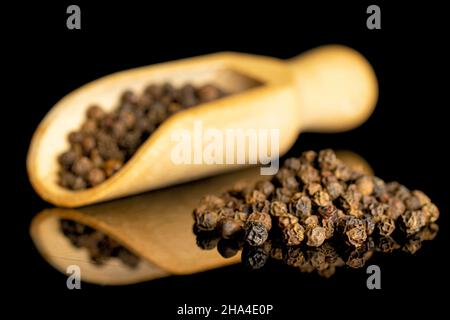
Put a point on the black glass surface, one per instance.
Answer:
(404, 140)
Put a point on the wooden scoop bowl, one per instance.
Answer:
(152, 225)
(328, 89)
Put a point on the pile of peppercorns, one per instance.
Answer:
(310, 200)
(106, 141)
(100, 247)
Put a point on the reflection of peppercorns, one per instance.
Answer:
(99, 246)
(314, 199)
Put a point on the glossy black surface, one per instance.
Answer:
(404, 140)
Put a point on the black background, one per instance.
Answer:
(404, 140)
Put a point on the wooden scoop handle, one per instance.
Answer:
(337, 88)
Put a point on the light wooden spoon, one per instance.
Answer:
(328, 89)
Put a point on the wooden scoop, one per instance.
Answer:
(154, 226)
(331, 88)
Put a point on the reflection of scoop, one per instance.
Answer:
(155, 226)
(332, 88)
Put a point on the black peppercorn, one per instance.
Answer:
(255, 233)
(278, 208)
(67, 159)
(254, 257)
(293, 234)
(228, 248)
(82, 166)
(413, 221)
(95, 113)
(302, 206)
(228, 227)
(294, 257)
(262, 217)
(207, 241)
(111, 166)
(308, 174)
(316, 236)
(386, 226)
(96, 176)
(206, 219)
(208, 93)
(327, 159)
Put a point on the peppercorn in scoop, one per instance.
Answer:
(313, 200)
(106, 140)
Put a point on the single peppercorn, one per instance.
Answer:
(96, 176)
(254, 257)
(294, 257)
(308, 156)
(255, 197)
(351, 197)
(387, 245)
(386, 226)
(82, 166)
(212, 202)
(207, 241)
(283, 195)
(328, 225)
(311, 222)
(302, 206)
(357, 235)
(278, 208)
(312, 188)
(395, 208)
(266, 187)
(316, 236)
(370, 223)
(88, 144)
(342, 172)
(327, 211)
(293, 234)
(228, 248)
(308, 174)
(262, 217)
(89, 127)
(75, 137)
(95, 113)
(431, 212)
(413, 221)
(327, 159)
(206, 219)
(67, 159)
(321, 198)
(228, 227)
(67, 179)
(286, 219)
(292, 164)
(111, 166)
(255, 233)
(333, 187)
